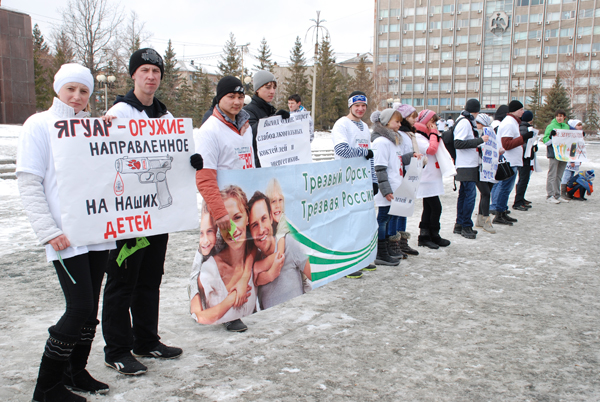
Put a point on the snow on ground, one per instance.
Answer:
(513, 316)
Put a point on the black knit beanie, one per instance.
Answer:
(228, 84)
(527, 116)
(146, 56)
(514, 105)
(473, 106)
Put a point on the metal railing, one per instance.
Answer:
(8, 168)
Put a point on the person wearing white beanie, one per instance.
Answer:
(80, 270)
(73, 72)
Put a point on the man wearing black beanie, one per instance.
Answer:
(467, 141)
(132, 294)
(525, 129)
(225, 143)
(512, 142)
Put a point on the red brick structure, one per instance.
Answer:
(17, 86)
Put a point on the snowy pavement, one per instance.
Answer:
(513, 316)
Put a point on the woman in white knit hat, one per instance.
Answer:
(80, 269)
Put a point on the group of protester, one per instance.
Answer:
(227, 141)
(394, 131)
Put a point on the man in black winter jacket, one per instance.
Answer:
(265, 86)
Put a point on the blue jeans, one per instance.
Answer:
(396, 224)
(501, 192)
(466, 203)
(383, 220)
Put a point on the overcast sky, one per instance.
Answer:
(200, 28)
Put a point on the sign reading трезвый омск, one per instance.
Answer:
(328, 207)
(124, 179)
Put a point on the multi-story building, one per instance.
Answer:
(436, 54)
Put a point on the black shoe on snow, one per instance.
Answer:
(160, 351)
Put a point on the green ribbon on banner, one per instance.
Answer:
(125, 252)
(232, 229)
(66, 270)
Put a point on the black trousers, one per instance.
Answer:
(524, 175)
(82, 297)
(484, 188)
(134, 290)
(432, 211)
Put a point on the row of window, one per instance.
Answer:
(434, 41)
(422, 26)
(432, 71)
(448, 8)
(433, 56)
(488, 86)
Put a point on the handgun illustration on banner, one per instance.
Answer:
(151, 169)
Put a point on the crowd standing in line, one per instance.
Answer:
(227, 141)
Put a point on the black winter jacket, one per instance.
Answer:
(258, 109)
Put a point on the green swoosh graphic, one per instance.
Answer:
(325, 257)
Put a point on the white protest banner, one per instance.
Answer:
(445, 161)
(284, 142)
(403, 203)
(531, 142)
(124, 179)
(489, 156)
(569, 146)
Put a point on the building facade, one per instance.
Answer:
(17, 86)
(436, 54)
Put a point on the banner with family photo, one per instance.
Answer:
(489, 156)
(284, 141)
(124, 179)
(293, 228)
(569, 146)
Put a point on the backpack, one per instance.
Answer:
(448, 138)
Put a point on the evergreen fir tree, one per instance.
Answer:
(298, 82)
(231, 61)
(64, 50)
(42, 61)
(205, 91)
(363, 81)
(327, 94)
(556, 99)
(264, 57)
(591, 122)
(344, 88)
(535, 104)
(184, 102)
(170, 81)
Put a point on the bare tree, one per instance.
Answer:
(575, 75)
(135, 33)
(91, 25)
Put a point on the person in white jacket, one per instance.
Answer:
(512, 142)
(351, 139)
(80, 270)
(132, 294)
(467, 143)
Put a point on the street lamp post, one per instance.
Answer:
(106, 82)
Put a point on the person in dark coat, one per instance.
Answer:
(210, 110)
(525, 127)
(265, 86)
